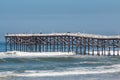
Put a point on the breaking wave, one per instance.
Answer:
(70, 71)
(18, 54)
(47, 64)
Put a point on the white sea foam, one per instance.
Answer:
(18, 54)
(67, 72)
(90, 62)
(106, 52)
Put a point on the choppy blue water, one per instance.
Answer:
(2, 47)
(63, 68)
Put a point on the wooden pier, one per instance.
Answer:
(80, 43)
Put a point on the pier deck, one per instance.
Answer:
(79, 43)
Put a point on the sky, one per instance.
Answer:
(47, 16)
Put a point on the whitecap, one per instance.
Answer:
(71, 71)
(18, 54)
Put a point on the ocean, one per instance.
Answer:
(77, 67)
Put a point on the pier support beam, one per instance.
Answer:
(67, 42)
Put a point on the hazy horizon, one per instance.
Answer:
(35, 16)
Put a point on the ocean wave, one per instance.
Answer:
(90, 62)
(18, 54)
(71, 71)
